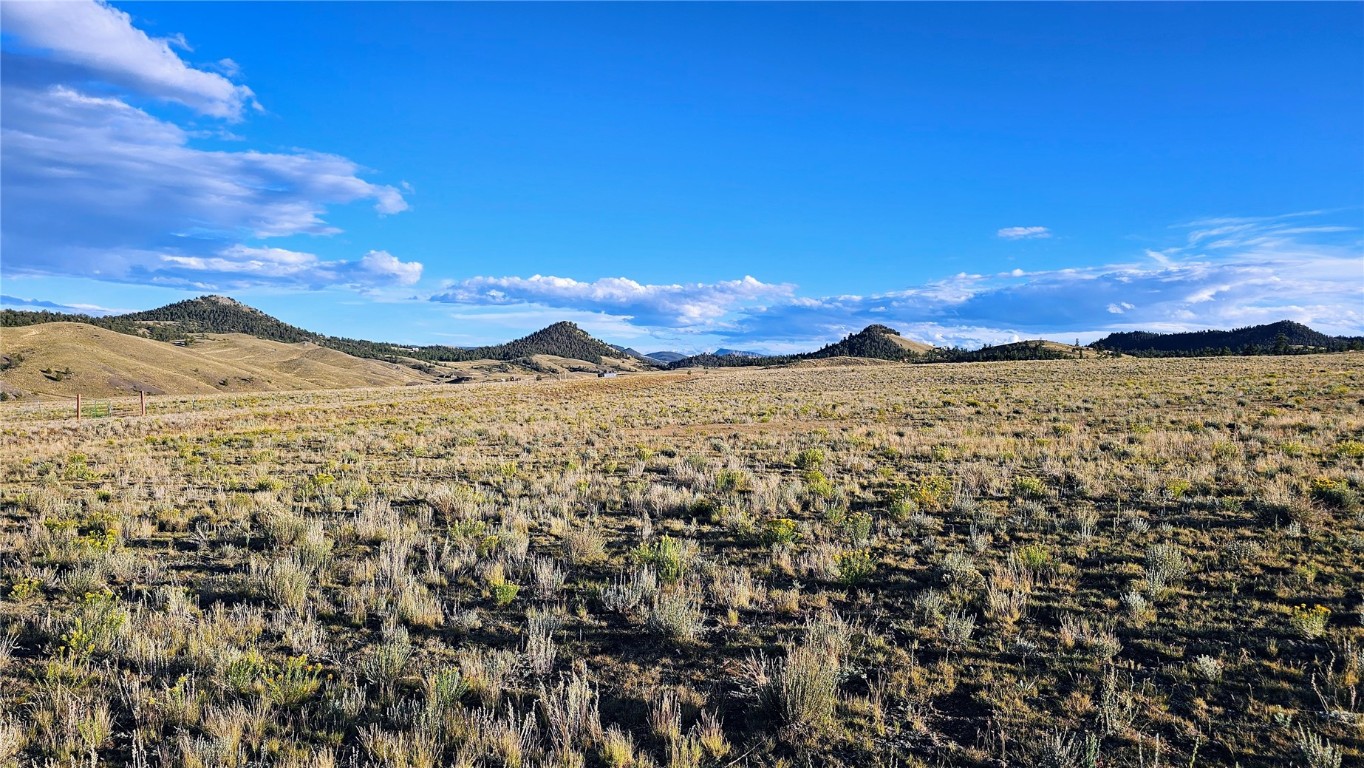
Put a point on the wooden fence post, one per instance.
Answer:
(78, 407)
(143, 395)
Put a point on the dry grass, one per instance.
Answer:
(1066, 563)
(62, 359)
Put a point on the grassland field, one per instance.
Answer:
(1112, 562)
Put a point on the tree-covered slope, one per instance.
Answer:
(1282, 337)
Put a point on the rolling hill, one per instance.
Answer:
(62, 359)
(217, 344)
(221, 314)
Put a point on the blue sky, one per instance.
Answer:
(686, 176)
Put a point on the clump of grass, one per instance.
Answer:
(670, 558)
(584, 546)
(810, 458)
(710, 733)
(617, 749)
(1317, 751)
(285, 582)
(1095, 639)
(547, 579)
(1028, 487)
(539, 647)
(782, 532)
(802, 689)
(854, 566)
(384, 664)
(1207, 667)
(958, 571)
(1310, 622)
(665, 716)
(676, 613)
(1166, 567)
(570, 710)
(488, 673)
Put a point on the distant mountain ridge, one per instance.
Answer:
(1282, 337)
(726, 352)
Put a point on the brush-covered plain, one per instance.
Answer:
(1109, 562)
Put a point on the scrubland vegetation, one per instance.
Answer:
(1108, 562)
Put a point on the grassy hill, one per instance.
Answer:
(62, 359)
(223, 315)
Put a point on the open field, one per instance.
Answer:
(1110, 562)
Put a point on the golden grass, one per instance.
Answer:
(63, 359)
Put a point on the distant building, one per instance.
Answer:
(606, 374)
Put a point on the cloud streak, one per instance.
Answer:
(1023, 233)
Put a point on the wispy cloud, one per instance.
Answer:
(1023, 233)
(97, 185)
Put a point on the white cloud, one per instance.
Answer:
(675, 305)
(94, 185)
(103, 40)
(1023, 233)
(386, 264)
